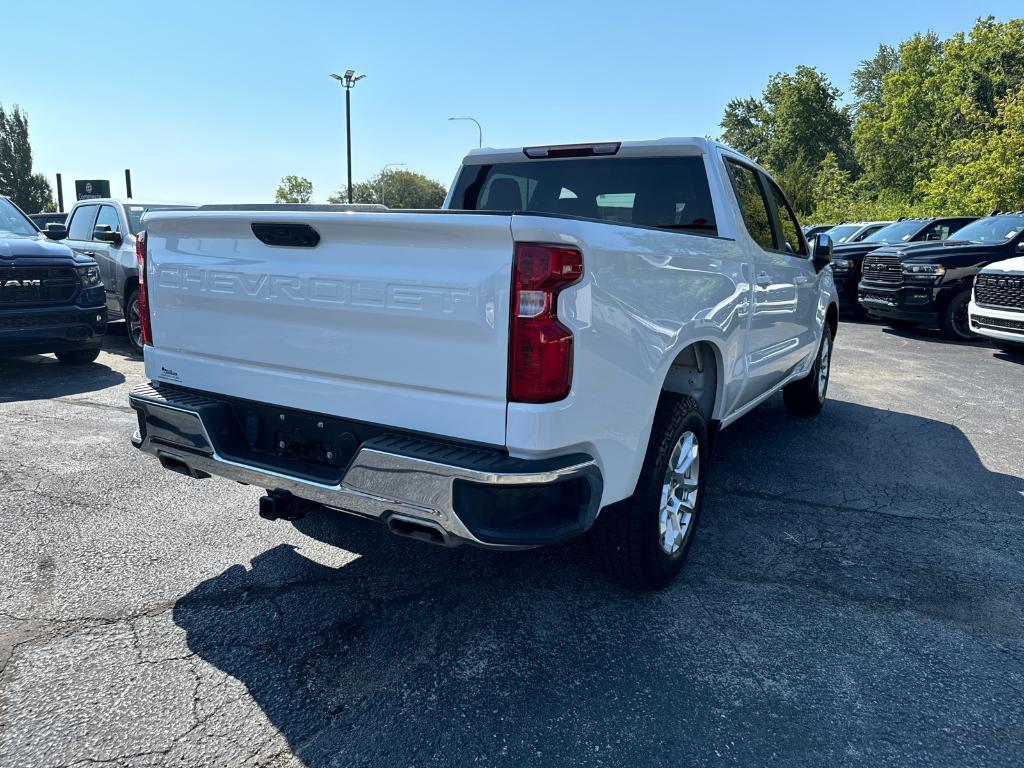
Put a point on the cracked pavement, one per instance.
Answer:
(853, 597)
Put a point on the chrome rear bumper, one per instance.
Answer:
(470, 494)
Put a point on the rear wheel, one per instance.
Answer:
(133, 320)
(807, 395)
(79, 356)
(955, 323)
(643, 541)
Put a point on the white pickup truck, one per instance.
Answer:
(550, 353)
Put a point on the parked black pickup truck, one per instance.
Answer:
(847, 259)
(51, 300)
(930, 283)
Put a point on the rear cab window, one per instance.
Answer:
(664, 192)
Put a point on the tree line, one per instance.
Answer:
(393, 188)
(935, 127)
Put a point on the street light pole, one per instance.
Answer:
(383, 171)
(348, 82)
(480, 131)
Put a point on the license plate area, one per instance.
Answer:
(877, 298)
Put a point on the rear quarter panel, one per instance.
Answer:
(645, 295)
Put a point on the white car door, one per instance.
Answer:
(793, 267)
(770, 344)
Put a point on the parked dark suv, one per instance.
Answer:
(847, 258)
(930, 283)
(50, 299)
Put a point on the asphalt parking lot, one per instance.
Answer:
(853, 598)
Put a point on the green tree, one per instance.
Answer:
(294, 189)
(790, 130)
(935, 96)
(832, 191)
(396, 189)
(984, 171)
(895, 138)
(866, 80)
(30, 191)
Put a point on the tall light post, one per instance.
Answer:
(348, 81)
(383, 172)
(480, 131)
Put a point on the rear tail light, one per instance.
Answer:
(146, 327)
(540, 349)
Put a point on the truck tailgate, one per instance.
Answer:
(392, 318)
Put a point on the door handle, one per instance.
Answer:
(763, 279)
(800, 279)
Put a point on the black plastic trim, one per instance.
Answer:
(286, 234)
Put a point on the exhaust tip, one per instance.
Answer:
(420, 530)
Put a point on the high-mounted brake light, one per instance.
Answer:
(573, 150)
(540, 348)
(145, 326)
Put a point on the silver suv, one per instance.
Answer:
(105, 230)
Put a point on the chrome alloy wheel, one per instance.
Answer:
(135, 324)
(679, 493)
(824, 359)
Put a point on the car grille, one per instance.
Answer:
(31, 320)
(37, 285)
(999, 323)
(882, 270)
(998, 290)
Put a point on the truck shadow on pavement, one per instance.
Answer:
(41, 377)
(846, 564)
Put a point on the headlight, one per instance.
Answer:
(924, 270)
(90, 276)
(841, 265)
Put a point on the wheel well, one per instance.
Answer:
(129, 285)
(832, 318)
(695, 372)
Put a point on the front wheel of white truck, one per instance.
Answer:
(643, 541)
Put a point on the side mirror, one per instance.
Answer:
(1020, 247)
(55, 231)
(821, 251)
(104, 234)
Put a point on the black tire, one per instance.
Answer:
(79, 356)
(902, 325)
(627, 537)
(954, 321)
(806, 396)
(131, 320)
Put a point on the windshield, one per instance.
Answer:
(135, 213)
(899, 232)
(994, 229)
(670, 193)
(843, 232)
(13, 221)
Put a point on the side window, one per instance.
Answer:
(787, 229)
(81, 224)
(868, 231)
(938, 231)
(753, 206)
(108, 216)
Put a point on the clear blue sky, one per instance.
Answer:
(215, 102)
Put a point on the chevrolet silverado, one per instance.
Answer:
(550, 354)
